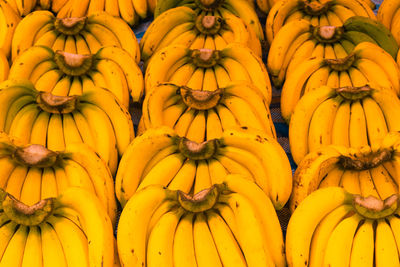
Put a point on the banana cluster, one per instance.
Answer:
(162, 157)
(182, 25)
(22, 7)
(96, 118)
(78, 35)
(70, 230)
(205, 115)
(232, 223)
(367, 63)
(131, 11)
(207, 69)
(63, 73)
(318, 13)
(241, 8)
(299, 40)
(367, 171)
(9, 20)
(32, 172)
(332, 227)
(4, 66)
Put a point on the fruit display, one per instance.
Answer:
(333, 227)
(74, 35)
(4, 66)
(207, 69)
(368, 170)
(9, 20)
(367, 63)
(62, 73)
(346, 116)
(70, 230)
(160, 156)
(300, 40)
(241, 8)
(31, 173)
(318, 13)
(233, 223)
(95, 118)
(181, 25)
(131, 11)
(204, 115)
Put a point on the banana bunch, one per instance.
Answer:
(182, 25)
(232, 223)
(299, 40)
(387, 14)
(78, 35)
(95, 118)
(32, 172)
(161, 156)
(131, 11)
(332, 227)
(367, 171)
(368, 63)
(62, 73)
(205, 115)
(207, 69)
(345, 116)
(22, 7)
(241, 8)
(318, 13)
(9, 20)
(4, 66)
(70, 230)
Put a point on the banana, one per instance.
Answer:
(362, 251)
(389, 105)
(357, 127)
(291, 90)
(62, 87)
(317, 79)
(322, 233)
(49, 187)
(333, 19)
(357, 78)
(55, 134)
(298, 239)
(320, 127)
(338, 248)
(23, 122)
(375, 120)
(70, 129)
(333, 79)
(76, 86)
(332, 178)
(376, 30)
(310, 49)
(9, 20)
(374, 73)
(30, 192)
(14, 252)
(359, 7)
(202, 178)
(344, 79)
(183, 243)
(70, 45)
(228, 249)
(6, 169)
(127, 12)
(52, 250)
(197, 129)
(161, 238)
(350, 182)
(386, 12)
(394, 224)
(95, 6)
(33, 248)
(84, 129)
(196, 80)
(136, 216)
(250, 238)
(282, 42)
(14, 108)
(217, 171)
(233, 166)
(92, 42)
(367, 186)
(384, 184)
(302, 115)
(72, 239)
(343, 12)
(16, 180)
(386, 253)
(7, 231)
(185, 177)
(48, 81)
(340, 127)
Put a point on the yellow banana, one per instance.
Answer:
(203, 179)
(386, 253)
(183, 246)
(33, 248)
(357, 127)
(14, 252)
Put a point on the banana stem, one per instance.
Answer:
(27, 215)
(209, 5)
(315, 8)
(35, 156)
(373, 208)
(199, 99)
(204, 57)
(354, 93)
(198, 151)
(209, 25)
(367, 161)
(202, 201)
(327, 34)
(340, 64)
(56, 104)
(70, 26)
(73, 64)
